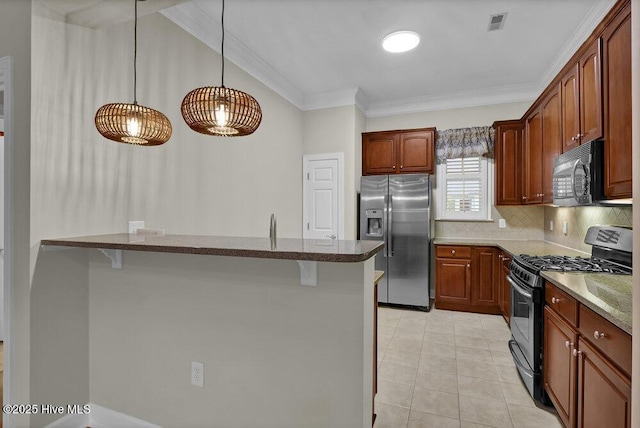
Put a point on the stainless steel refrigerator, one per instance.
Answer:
(396, 209)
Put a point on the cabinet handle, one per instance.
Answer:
(568, 344)
(576, 352)
(555, 300)
(579, 136)
(401, 166)
(597, 335)
(453, 251)
(394, 167)
(500, 256)
(468, 265)
(573, 138)
(524, 198)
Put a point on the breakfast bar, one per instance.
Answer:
(284, 328)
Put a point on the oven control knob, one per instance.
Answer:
(597, 335)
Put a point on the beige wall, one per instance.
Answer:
(194, 184)
(15, 41)
(331, 130)
(275, 353)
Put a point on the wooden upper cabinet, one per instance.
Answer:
(591, 93)
(397, 152)
(581, 87)
(378, 153)
(617, 105)
(570, 109)
(508, 161)
(552, 141)
(532, 188)
(417, 151)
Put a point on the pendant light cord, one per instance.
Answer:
(135, 54)
(222, 49)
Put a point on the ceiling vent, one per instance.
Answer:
(496, 22)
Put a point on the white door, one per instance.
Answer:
(322, 200)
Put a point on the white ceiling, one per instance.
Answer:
(323, 53)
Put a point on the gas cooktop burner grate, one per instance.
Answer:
(574, 264)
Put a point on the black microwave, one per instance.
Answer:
(578, 175)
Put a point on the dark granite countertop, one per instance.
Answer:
(320, 250)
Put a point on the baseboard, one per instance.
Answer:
(100, 417)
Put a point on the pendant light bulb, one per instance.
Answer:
(221, 115)
(133, 127)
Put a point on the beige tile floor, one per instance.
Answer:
(446, 369)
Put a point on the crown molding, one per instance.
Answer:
(198, 23)
(195, 21)
(582, 33)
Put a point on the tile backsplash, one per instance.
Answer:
(579, 219)
(533, 223)
(521, 223)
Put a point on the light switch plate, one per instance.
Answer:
(550, 224)
(502, 223)
(564, 227)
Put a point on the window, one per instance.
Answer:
(463, 189)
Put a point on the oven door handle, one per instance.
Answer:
(519, 288)
(525, 370)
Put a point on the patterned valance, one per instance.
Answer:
(464, 142)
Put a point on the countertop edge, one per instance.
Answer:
(275, 254)
(618, 322)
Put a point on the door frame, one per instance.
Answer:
(306, 160)
(6, 67)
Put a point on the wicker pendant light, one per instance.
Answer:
(219, 110)
(133, 123)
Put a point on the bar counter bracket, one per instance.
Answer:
(308, 272)
(114, 255)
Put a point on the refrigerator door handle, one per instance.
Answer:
(390, 228)
(385, 223)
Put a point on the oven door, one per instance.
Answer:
(522, 320)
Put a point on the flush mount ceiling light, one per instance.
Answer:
(400, 41)
(133, 123)
(219, 110)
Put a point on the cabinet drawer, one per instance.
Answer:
(451, 251)
(615, 344)
(561, 303)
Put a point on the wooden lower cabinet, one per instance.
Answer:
(467, 279)
(604, 393)
(586, 373)
(560, 366)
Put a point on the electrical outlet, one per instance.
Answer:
(197, 374)
(135, 225)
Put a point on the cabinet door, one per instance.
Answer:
(532, 193)
(484, 288)
(552, 141)
(508, 153)
(617, 106)
(604, 393)
(378, 153)
(590, 94)
(416, 152)
(570, 87)
(453, 281)
(559, 368)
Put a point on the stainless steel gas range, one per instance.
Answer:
(611, 253)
